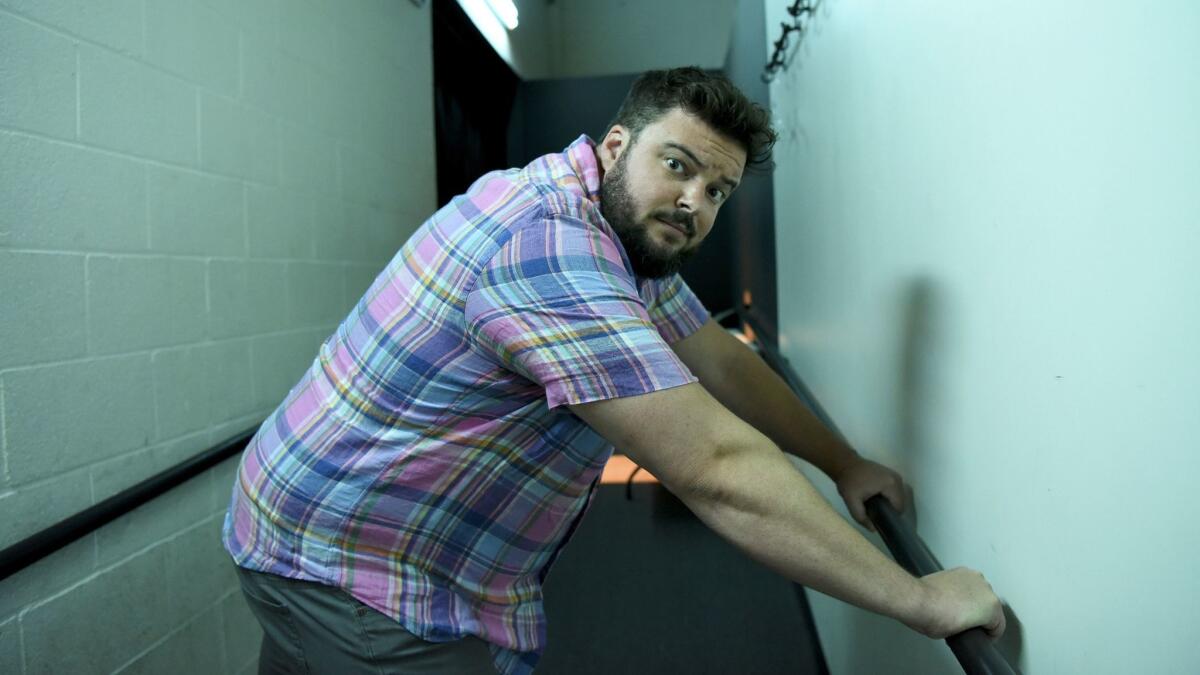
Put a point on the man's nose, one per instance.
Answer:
(689, 198)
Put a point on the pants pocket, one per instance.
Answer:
(282, 651)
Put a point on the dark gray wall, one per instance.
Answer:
(750, 213)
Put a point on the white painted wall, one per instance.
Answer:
(588, 38)
(988, 230)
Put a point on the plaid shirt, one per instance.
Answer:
(424, 462)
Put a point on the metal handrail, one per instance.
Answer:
(37, 546)
(975, 651)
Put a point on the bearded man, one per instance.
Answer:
(399, 511)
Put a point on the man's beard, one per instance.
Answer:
(649, 259)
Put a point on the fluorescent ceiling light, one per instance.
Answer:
(504, 10)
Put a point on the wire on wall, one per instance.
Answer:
(800, 11)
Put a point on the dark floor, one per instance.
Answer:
(645, 587)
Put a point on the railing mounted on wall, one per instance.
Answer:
(35, 547)
(975, 651)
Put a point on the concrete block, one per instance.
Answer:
(115, 23)
(389, 117)
(229, 313)
(194, 649)
(118, 473)
(359, 278)
(420, 194)
(42, 302)
(259, 20)
(197, 571)
(276, 83)
(182, 397)
(224, 574)
(306, 32)
(315, 294)
(229, 386)
(139, 303)
(266, 289)
(48, 576)
(129, 106)
(246, 297)
(223, 477)
(238, 140)
(368, 178)
(279, 361)
(195, 42)
(308, 160)
(409, 41)
(195, 213)
(243, 634)
(32, 507)
(388, 37)
(100, 624)
(280, 223)
(196, 387)
(335, 235)
(333, 110)
(59, 197)
(227, 430)
(180, 508)
(385, 231)
(37, 80)
(10, 647)
(65, 416)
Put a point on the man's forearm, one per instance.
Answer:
(745, 384)
(760, 503)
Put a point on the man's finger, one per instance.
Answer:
(894, 492)
(859, 511)
(1000, 625)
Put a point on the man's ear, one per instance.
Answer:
(615, 142)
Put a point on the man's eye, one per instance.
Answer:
(717, 195)
(674, 164)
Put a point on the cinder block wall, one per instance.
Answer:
(192, 195)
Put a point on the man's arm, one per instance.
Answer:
(744, 383)
(739, 484)
(747, 386)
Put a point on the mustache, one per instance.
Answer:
(678, 217)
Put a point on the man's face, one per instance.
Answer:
(661, 194)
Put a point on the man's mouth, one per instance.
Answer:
(682, 229)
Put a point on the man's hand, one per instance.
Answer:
(864, 479)
(957, 600)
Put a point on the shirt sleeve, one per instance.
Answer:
(557, 305)
(673, 307)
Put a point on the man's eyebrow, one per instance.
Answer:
(684, 149)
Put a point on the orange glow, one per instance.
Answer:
(618, 469)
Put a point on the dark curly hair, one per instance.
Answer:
(709, 96)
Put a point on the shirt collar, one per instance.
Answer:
(581, 155)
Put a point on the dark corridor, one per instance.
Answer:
(645, 588)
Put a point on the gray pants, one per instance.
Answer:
(317, 630)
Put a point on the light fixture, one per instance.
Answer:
(504, 10)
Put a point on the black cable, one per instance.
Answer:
(629, 484)
(798, 10)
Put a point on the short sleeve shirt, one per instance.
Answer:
(426, 462)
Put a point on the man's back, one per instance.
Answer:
(423, 463)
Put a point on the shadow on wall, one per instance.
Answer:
(920, 343)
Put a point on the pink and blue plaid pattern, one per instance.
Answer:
(425, 462)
